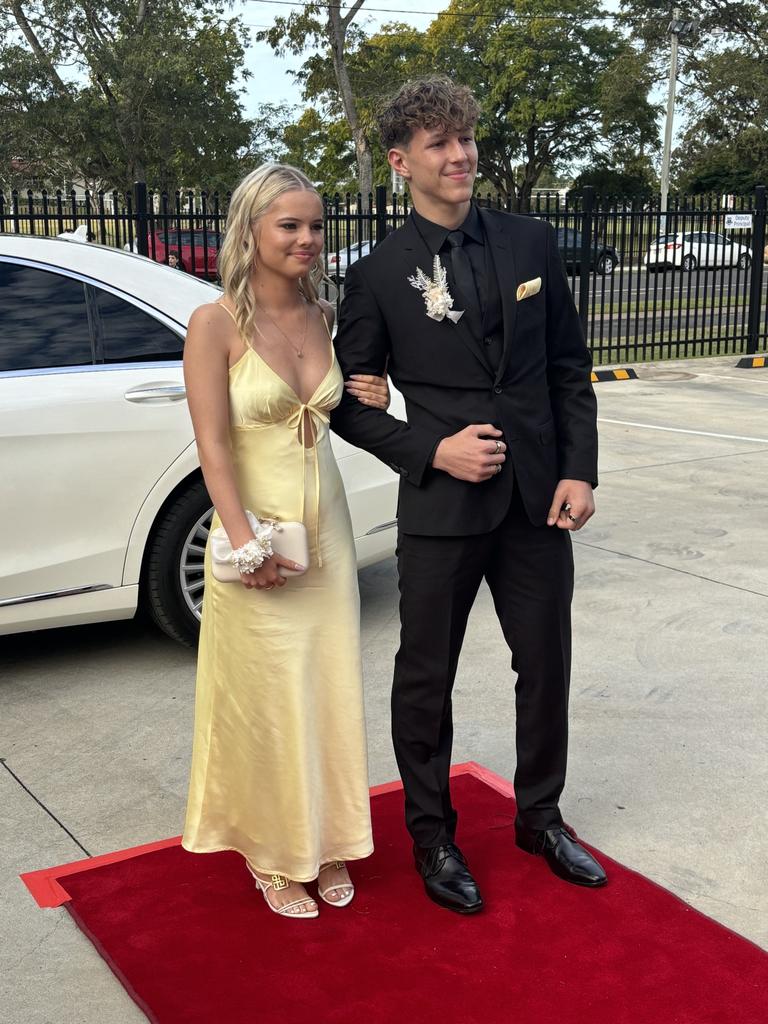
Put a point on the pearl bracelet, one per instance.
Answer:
(252, 555)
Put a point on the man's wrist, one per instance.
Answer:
(433, 454)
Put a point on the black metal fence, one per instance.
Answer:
(648, 284)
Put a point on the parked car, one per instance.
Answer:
(199, 250)
(604, 258)
(337, 262)
(691, 249)
(104, 505)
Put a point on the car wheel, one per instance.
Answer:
(606, 265)
(744, 261)
(689, 263)
(173, 566)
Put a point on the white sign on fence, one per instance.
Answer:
(738, 220)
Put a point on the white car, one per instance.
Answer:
(337, 262)
(692, 249)
(103, 502)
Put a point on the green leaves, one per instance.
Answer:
(151, 91)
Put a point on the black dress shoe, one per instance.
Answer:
(566, 857)
(447, 878)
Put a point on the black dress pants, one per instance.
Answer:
(529, 570)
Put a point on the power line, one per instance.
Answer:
(605, 16)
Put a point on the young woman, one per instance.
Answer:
(279, 770)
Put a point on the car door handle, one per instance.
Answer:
(154, 392)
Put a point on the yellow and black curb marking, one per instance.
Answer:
(752, 362)
(624, 374)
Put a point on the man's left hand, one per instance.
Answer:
(572, 505)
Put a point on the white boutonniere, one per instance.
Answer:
(437, 298)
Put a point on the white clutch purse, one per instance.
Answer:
(289, 540)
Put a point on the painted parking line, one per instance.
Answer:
(683, 430)
(741, 380)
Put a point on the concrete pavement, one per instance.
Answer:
(669, 699)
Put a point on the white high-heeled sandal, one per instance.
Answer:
(344, 901)
(278, 883)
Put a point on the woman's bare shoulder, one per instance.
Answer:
(211, 327)
(210, 314)
(212, 322)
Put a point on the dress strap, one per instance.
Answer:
(327, 326)
(220, 302)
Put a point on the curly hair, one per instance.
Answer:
(433, 102)
(250, 200)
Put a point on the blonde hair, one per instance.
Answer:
(250, 201)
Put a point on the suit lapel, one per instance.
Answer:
(506, 275)
(417, 254)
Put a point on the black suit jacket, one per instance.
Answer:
(540, 396)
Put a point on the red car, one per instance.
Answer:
(205, 256)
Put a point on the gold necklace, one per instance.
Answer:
(299, 351)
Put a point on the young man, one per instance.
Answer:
(471, 312)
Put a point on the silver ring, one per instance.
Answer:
(498, 447)
(574, 519)
(498, 467)
(270, 587)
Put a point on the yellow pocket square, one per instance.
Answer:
(529, 288)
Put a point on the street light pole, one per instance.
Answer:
(674, 29)
(678, 29)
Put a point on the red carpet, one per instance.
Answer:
(193, 942)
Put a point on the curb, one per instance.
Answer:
(752, 363)
(624, 374)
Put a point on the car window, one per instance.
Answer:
(212, 238)
(45, 319)
(127, 334)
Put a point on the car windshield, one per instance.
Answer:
(212, 238)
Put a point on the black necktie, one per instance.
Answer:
(467, 299)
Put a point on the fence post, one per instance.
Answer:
(585, 258)
(381, 213)
(756, 280)
(141, 217)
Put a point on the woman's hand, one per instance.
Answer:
(267, 576)
(369, 390)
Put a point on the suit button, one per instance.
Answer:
(404, 472)
(486, 341)
(498, 389)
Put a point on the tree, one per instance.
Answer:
(722, 90)
(151, 92)
(555, 85)
(722, 80)
(324, 24)
(725, 146)
(630, 176)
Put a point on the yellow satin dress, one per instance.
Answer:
(279, 762)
